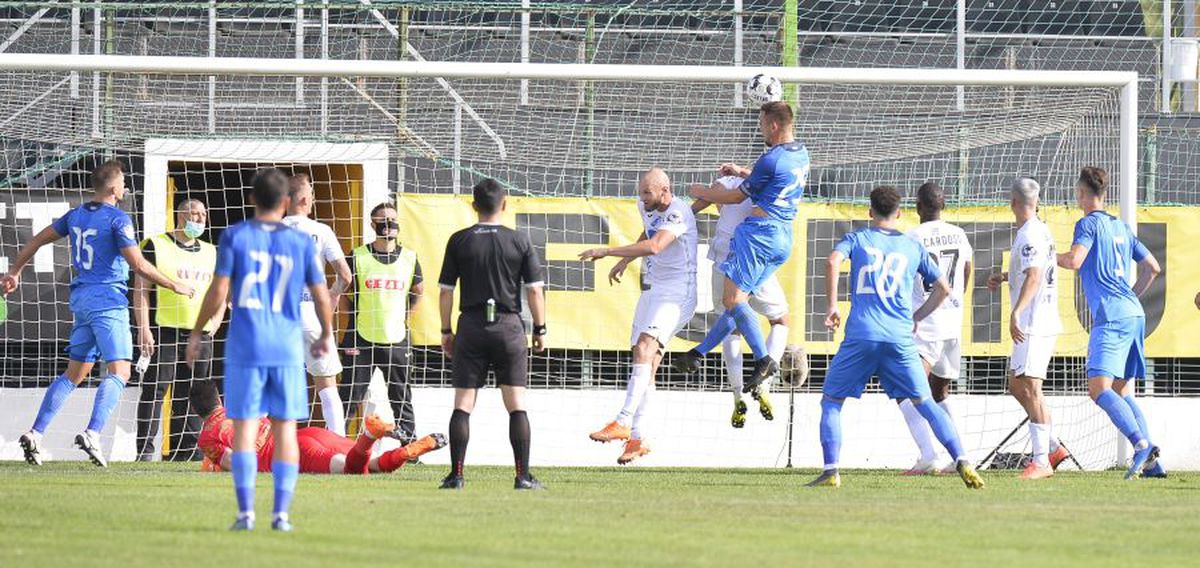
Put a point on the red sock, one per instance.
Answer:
(360, 455)
(391, 461)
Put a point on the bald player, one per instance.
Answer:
(668, 245)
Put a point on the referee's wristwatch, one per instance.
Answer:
(539, 330)
(447, 331)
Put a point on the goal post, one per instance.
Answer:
(568, 140)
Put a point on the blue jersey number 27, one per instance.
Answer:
(246, 296)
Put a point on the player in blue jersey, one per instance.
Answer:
(267, 266)
(884, 263)
(103, 247)
(762, 243)
(1104, 250)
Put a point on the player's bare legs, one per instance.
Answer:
(646, 353)
(1046, 452)
(928, 462)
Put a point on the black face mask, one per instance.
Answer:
(381, 229)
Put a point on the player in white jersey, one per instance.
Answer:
(939, 336)
(769, 301)
(1033, 324)
(326, 368)
(668, 246)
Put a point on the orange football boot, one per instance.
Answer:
(1037, 471)
(1058, 456)
(610, 432)
(634, 449)
(425, 445)
(377, 428)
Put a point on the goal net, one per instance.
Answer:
(568, 142)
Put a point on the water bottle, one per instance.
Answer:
(143, 363)
(491, 310)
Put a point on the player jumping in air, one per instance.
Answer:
(266, 265)
(762, 243)
(668, 245)
(769, 301)
(938, 336)
(1103, 250)
(321, 451)
(1033, 324)
(879, 341)
(103, 249)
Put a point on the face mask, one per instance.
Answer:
(193, 229)
(382, 229)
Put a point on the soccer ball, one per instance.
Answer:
(763, 89)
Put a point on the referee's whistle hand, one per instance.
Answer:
(539, 343)
(448, 345)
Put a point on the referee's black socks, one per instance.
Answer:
(460, 433)
(518, 435)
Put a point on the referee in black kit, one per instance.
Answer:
(492, 261)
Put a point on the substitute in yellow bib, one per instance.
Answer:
(387, 285)
(164, 320)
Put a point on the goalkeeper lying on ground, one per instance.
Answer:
(321, 451)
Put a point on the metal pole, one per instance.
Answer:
(96, 15)
(75, 48)
(1164, 74)
(457, 172)
(524, 48)
(212, 79)
(738, 56)
(299, 49)
(325, 80)
(1187, 98)
(960, 50)
(1129, 183)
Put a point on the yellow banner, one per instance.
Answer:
(585, 311)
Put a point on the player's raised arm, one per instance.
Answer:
(43, 238)
(1085, 234)
(644, 247)
(716, 193)
(139, 264)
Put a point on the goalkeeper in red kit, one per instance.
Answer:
(321, 451)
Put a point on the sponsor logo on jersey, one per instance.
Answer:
(383, 284)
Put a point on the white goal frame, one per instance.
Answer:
(1127, 81)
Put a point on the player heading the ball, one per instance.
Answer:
(267, 266)
(762, 243)
(103, 249)
(884, 264)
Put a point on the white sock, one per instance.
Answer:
(635, 390)
(731, 353)
(919, 428)
(638, 431)
(1050, 434)
(777, 340)
(332, 410)
(1039, 434)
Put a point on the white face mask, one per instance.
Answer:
(193, 229)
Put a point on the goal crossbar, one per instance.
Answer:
(1126, 81)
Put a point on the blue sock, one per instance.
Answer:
(831, 432)
(942, 426)
(107, 397)
(747, 323)
(245, 467)
(55, 396)
(1139, 417)
(285, 475)
(720, 330)
(1121, 415)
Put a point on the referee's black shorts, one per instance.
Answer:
(500, 346)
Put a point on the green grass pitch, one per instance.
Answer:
(72, 514)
